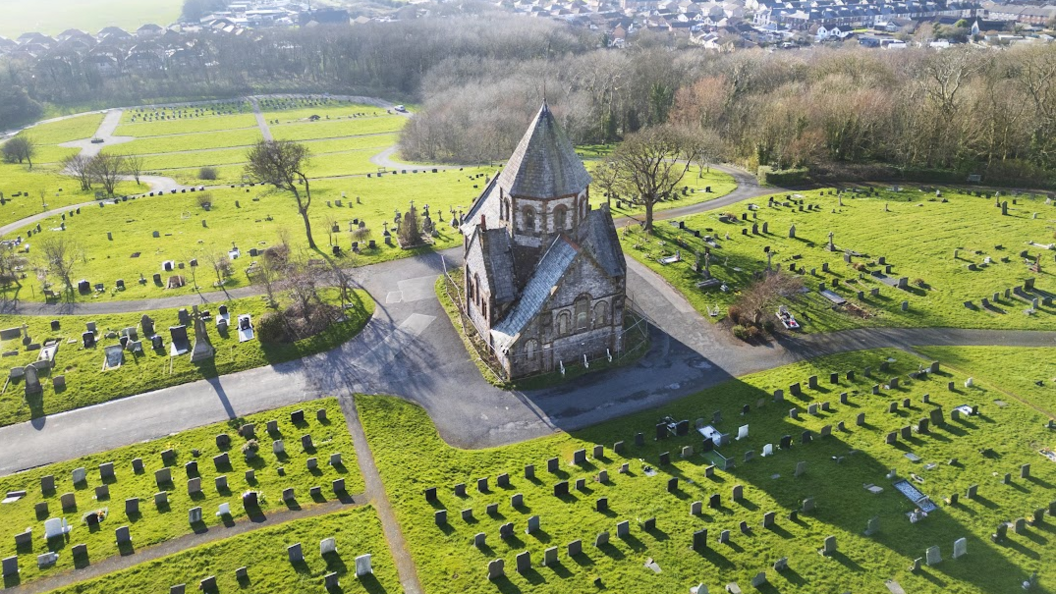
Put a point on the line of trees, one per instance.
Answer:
(105, 169)
(840, 112)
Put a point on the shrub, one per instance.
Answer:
(208, 173)
(768, 326)
(205, 200)
(919, 282)
(734, 313)
(271, 328)
(250, 447)
(740, 332)
(754, 332)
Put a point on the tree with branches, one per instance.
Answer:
(80, 167)
(107, 169)
(134, 166)
(60, 255)
(19, 149)
(651, 163)
(282, 163)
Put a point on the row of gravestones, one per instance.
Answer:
(1023, 292)
(1019, 525)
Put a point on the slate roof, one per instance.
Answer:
(498, 258)
(601, 241)
(548, 273)
(545, 165)
(487, 204)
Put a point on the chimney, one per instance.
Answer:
(483, 223)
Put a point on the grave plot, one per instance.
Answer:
(640, 504)
(263, 558)
(68, 357)
(305, 109)
(21, 189)
(180, 484)
(210, 117)
(323, 128)
(250, 219)
(174, 143)
(905, 258)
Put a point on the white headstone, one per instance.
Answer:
(742, 432)
(327, 545)
(54, 527)
(960, 547)
(79, 475)
(224, 509)
(363, 566)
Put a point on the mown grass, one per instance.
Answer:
(448, 561)
(190, 125)
(917, 234)
(59, 190)
(154, 525)
(1026, 374)
(188, 142)
(74, 128)
(691, 191)
(337, 129)
(296, 112)
(263, 553)
(178, 219)
(87, 383)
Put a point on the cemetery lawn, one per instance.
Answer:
(263, 553)
(448, 561)
(87, 383)
(690, 191)
(152, 526)
(1017, 370)
(917, 236)
(59, 191)
(261, 214)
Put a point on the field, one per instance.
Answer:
(264, 555)
(154, 524)
(254, 222)
(87, 383)
(836, 468)
(1027, 375)
(55, 16)
(59, 191)
(927, 240)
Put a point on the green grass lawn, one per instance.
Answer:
(52, 17)
(247, 225)
(302, 109)
(189, 142)
(263, 553)
(161, 163)
(59, 190)
(87, 383)
(74, 128)
(449, 562)
(339, 128)
(917, 234)
(154, 525)
(1017, 369)
(691, 191)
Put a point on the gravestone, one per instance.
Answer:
(496, 569)
(294, 553)
(47, 484)
(779, 395)
(467, 515)
(194, 515)
(79, 475)
(602, 539)
(278, 446)
(579, 457)
(738, 492)
(480, 540)
(492, 509)
(696, 508)
(220, 483)
(700, 539)
(872, 526)
(769, 518)
(503, 480)
(808, 505)
(553, 465)
(440, 517)
(672, 484)
(430, 494)
(1024, 471)
(724, 537)
(163, 476)
(972, 492)
(602, 504)
(960, 548)
(221, 462)
(829, 546)
(575, 548)
(106, 472)
(482, 485)
(10, 566)
(550, 556)
(561, 489)
(529, 471)
(194, 486)
(517, 500)
(524, 562)
(132, 506)
(933, 556)
(161, 499)
(715, 501)
(623, 529)
(801, 468)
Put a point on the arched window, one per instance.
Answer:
(563, 322)
(470, 290)
(601, 314)
(529, 219)
(582, 313)
(476, 288)
(559, 218)
(531, 350)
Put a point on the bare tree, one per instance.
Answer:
(107, 169)
(282, 164)
(607, 177)
(134, 166)
(60, 257)
(10, 260)
(18, 149)
(331, 223)
(80, 167)
(221, 265)
(652, 162)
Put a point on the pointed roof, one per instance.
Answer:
(545, 165)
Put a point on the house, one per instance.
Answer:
(149, 30)
(545, 276)
(114, 34)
